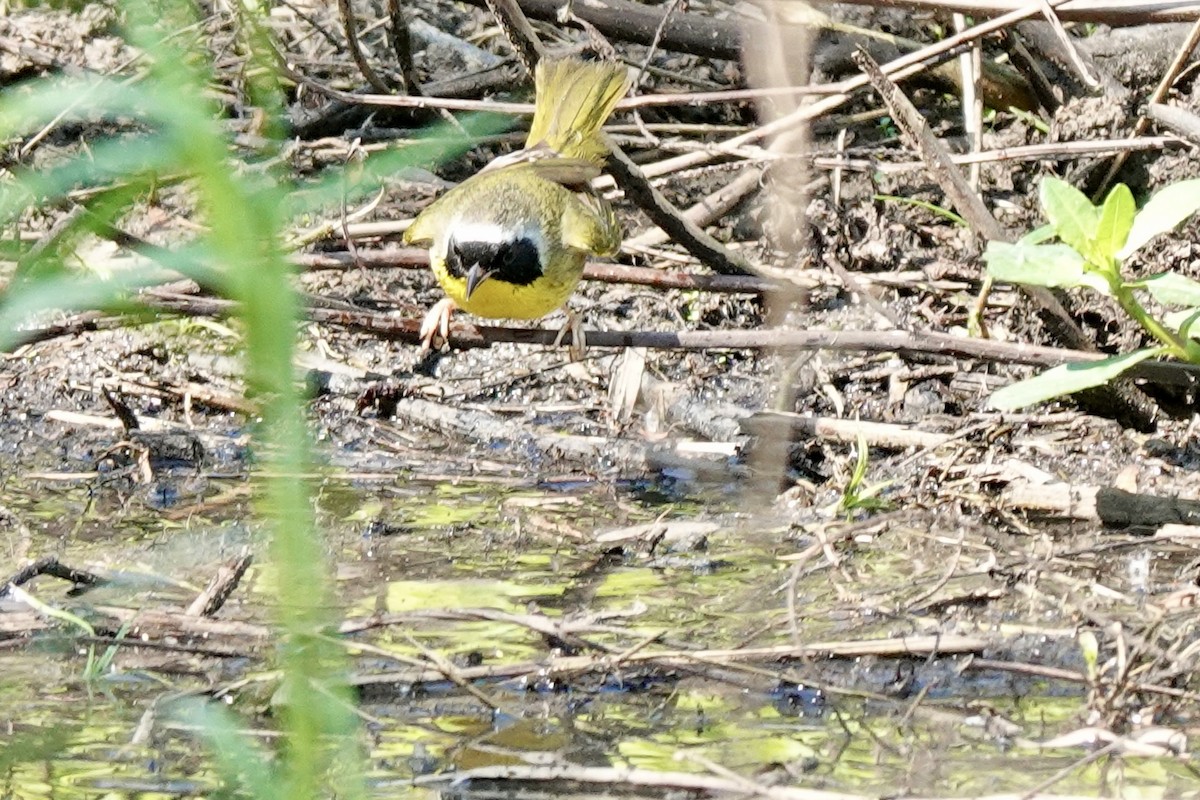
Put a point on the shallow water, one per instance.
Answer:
(465, 572)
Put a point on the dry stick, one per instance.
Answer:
(671, 7)
(518, 31)
(1183, 122)
(1045, 90)
(1120, 398)
(898, 69)
(350, 26)
(415, 258)
(1105, 504)
(970, 66)
(707, 211)
(460, 104)
(632, 22)
(1046, 47)
(1025, 152)
(53, 567)
(1002, 86)
(1160, 93)
(222, 584)
(749, 786)
(1108, 12)
(1075, 766)
(675, 224)
(616, 778)
(453, 674)
(902, 342)
(402, 46)
(1068, 46)
(915, 646)
(467, 336)
(903, 67)
(720, 38)
(791, 427)
(483, 427)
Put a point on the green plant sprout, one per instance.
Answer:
(97, 666)
(857, 496)
(1093, 243)
(930, 207)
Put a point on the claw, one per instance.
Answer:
(578, 336)
(437, 321)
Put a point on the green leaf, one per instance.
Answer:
(1171, 288)
(1073, 216)
(1049, 265)
(1038, 235)
(1184, 322)
(108, 160)
(441, 144)
(930, 207)
(1067, 379)
(1166, 209)
(70, 293)
(48, 610)
(243, 762)
(1116, 218)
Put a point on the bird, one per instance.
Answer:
(510, 241)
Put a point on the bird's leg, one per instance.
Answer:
(578, 337)
(437, 321)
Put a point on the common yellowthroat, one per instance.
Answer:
(511, 240)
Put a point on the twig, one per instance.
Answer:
(900, 68)
(671, 7)
(903, 342)
(614, 778)
(518, 31)
(416, 258)
(712, 208)
(402, 45)
(1108, 12)
(894, 647)
(220, 587)
(877, 434)
(1160, 94)
(350, 26)
(53, 567)
(1104, 504)
(1180, 120)
(683, 231)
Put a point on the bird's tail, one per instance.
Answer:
(574, 99)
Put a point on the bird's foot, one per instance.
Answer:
(437, 321)
(578, 336)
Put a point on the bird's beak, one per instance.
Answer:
(475, 276)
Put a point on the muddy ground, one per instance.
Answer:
(1001, 603)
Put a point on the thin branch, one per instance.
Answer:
(350, 25)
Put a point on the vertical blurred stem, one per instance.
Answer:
(243, 214)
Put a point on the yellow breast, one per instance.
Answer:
(498, 299)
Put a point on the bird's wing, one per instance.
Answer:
(589, 224)
(574, 173)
